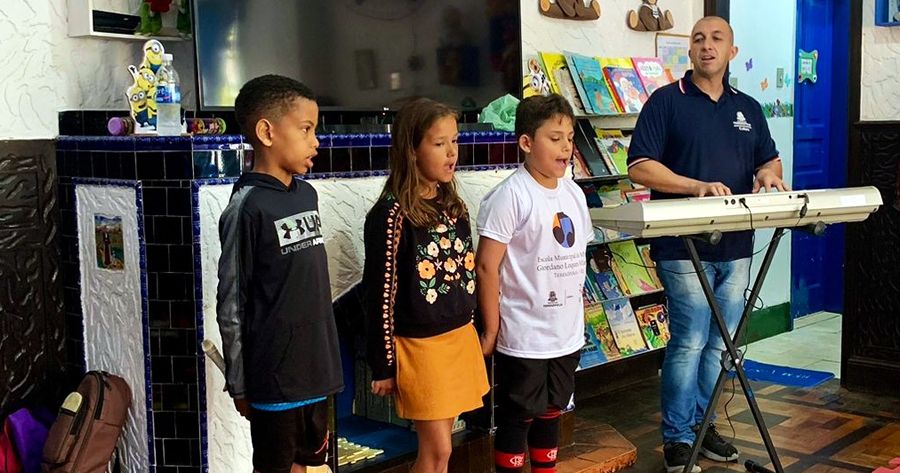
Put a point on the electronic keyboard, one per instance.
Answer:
(696, 215)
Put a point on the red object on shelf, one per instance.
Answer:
(159, 6)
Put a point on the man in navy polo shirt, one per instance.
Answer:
(701, 137)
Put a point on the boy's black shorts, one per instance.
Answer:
(281, 438)
(527, 387)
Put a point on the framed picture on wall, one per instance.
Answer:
(672, 49)
(887, 12)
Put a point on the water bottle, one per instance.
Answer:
(168, 99)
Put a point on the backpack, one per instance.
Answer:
(91, 419)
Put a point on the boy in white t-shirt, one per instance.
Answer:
(530, 265)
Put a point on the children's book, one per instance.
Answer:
(535, 80)
(591, 355)
(561, 80)
(603, 262)
(589, 293)
(584, 142)
(599, 332)
(650, 264)
(635, 279)
(654, 322)
(616, 150)
(590, 193)
(581, 169)
(637, 195)
(609, 286)
(591, 84)
(608, 133)
(624, 327)
(627, 88)
(652, 73)
(610, 196)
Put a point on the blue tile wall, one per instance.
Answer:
(166, 168)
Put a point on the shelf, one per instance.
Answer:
(622, 122)
(635, 296)
(629, 357)
(80, 20)
(620, 115)
(596, 179)
(128, 37)
(596, 243)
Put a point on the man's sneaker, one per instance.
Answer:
(717, 448)
(676, 456)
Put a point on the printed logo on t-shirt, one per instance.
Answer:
(740, 122)
(552, 300)
(299, 231)
(563, 230)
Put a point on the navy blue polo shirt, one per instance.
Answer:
(726, 141)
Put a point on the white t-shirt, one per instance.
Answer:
(541, 278)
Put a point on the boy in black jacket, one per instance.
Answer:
(274, 298)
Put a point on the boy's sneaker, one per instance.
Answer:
(676, 456)
(715, 447)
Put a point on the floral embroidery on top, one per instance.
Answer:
(445, 262)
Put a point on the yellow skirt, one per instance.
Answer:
(440, 377)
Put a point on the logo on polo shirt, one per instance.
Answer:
(741, 123)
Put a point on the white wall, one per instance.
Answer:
(880, 79)
(607, 36)
(770, 51)
(46, 71)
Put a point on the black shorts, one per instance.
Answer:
(527, 387)
(281, 438)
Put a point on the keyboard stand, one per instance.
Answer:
(732, 352)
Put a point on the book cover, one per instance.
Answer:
(654, 322)
(610, 196)
(591, 355)
(624, 327)
(576, 79)
(616, 150)
(627, 87)
(608, 133)
(602, 261)
(609, 285)
(635, 279)
(650, 264)
(652, 73)
(535, 80)
(580, 168)
(598, 331)
(589, 294)
(588, 149)
(637, 195)
(594, 90)
(590, 194)
(561, 80)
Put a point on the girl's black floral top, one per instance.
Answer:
(420, 282)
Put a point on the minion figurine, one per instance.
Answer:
(153, 55)
(142, 110)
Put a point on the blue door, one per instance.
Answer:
(820, 151)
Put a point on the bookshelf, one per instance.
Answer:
(597, 355)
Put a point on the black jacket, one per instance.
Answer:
(274, 298)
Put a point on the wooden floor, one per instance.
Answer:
(822, 430)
